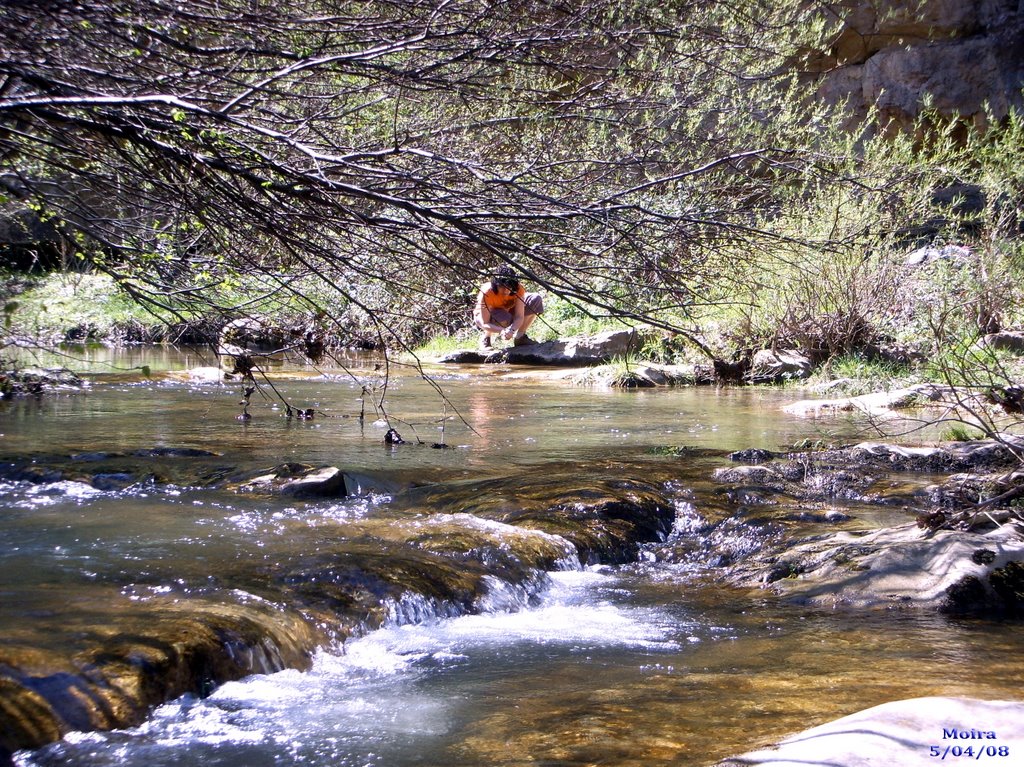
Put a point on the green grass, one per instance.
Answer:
(960, 433)
(865, 375)
(443, 344)
(562, 319)
(62, 301)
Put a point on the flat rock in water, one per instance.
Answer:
(876, 404)
(949, 571)
(202, 374)
(465, 357)
(642, 375)
(173, 452)
(38, 380)
(907, 733)
(947, 457)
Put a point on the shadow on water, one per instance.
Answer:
(545, 590)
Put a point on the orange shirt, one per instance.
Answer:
(494, 301)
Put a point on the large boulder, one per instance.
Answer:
(770, 366)
(961, 76)
(581, 350)
(921, 732)
(248, 336)
(575, 351)
(1009, 340)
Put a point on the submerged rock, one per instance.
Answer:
(759, 475)
(420, 570)
(161, 650)
(173, 452)
(910, 733)
(113, 470)
(606, 519)
(127, 652)
(142, 634)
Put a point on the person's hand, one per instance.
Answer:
(509, 333)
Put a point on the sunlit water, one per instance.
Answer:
(650, 663)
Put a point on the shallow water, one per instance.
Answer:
(641, 664)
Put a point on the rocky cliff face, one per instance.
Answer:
(960, 53)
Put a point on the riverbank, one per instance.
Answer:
(47, 310)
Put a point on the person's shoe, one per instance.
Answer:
(485, 342)
(523, 340)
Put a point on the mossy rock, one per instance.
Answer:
(606, 519)
(162, 651)
(1008, 583)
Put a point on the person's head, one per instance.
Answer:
(505, 277)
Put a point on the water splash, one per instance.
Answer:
(384, 698)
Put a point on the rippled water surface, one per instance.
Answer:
(642, 664)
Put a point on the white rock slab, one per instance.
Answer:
(877, 403)
(921, 732)
(898, 566)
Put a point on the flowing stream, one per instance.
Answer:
(646, 663)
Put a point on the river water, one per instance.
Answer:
(654, 662)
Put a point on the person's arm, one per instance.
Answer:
(518, 314)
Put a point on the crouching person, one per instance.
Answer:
(505, 309)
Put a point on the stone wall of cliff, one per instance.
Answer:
(964, 54)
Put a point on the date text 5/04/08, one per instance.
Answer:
(972, 751)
